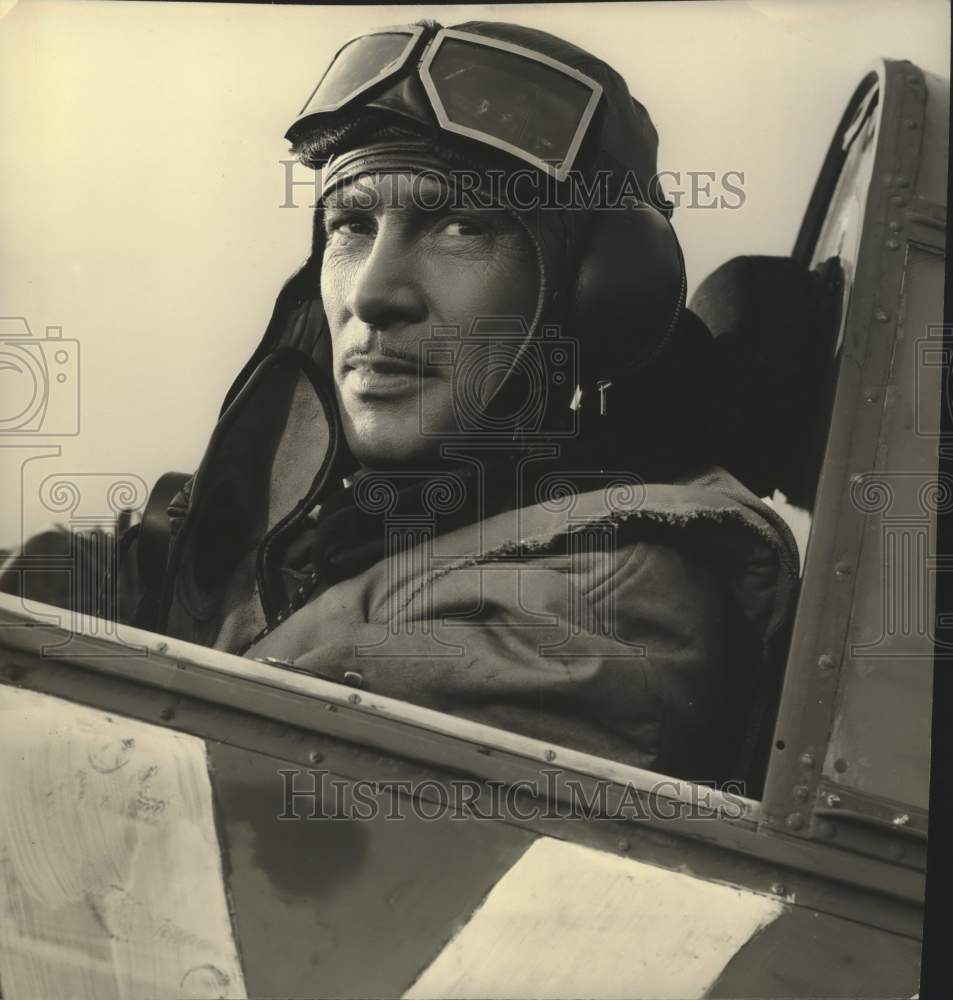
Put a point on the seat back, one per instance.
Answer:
(775, 326)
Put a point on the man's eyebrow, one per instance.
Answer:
(337, 200)
(357, 197)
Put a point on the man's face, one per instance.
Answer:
(393, 270)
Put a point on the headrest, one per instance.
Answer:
(775, 325)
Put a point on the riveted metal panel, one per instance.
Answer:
(843, 588)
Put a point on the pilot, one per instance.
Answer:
(470, 464)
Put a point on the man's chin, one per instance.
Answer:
(388, 434)
(389, 452)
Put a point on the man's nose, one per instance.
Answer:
(388, 290)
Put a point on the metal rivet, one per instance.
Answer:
(315, 756)
(899, 200)
(795, 821)
(910, 123)
(624, 845)
(842, 569)
(840, 765)
(807, 759)
(902, 182)
(162, 647)
(825, 661)
(330, 708)
(869, 399)
(833, 800)
(779, 889)
(166, 714)
(895, 226)
(353, 678)
(881, 316)
(354, 699)
(893, 245)
(901, 820)
(550, 755)
(484, 750)
(800, 793)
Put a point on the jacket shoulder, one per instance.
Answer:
(709, 517)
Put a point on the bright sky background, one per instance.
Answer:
(140, 177)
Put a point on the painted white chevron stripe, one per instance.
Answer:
(111, 879)
(569, 921)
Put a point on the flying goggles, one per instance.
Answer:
(502, 95)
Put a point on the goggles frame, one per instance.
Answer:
(390, 71)
(424, 58)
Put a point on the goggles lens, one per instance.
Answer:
(502, 95)
(509, 100)
(358, 66)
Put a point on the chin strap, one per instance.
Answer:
(273, 455)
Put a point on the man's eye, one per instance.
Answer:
(349, 227)
(462, 227)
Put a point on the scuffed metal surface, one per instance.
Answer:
(109, 863)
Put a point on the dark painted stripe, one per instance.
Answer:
(344, 908)
(809, 954)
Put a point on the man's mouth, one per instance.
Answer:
(376, 374)
(383, 364)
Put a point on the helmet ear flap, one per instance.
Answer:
(630, 288)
